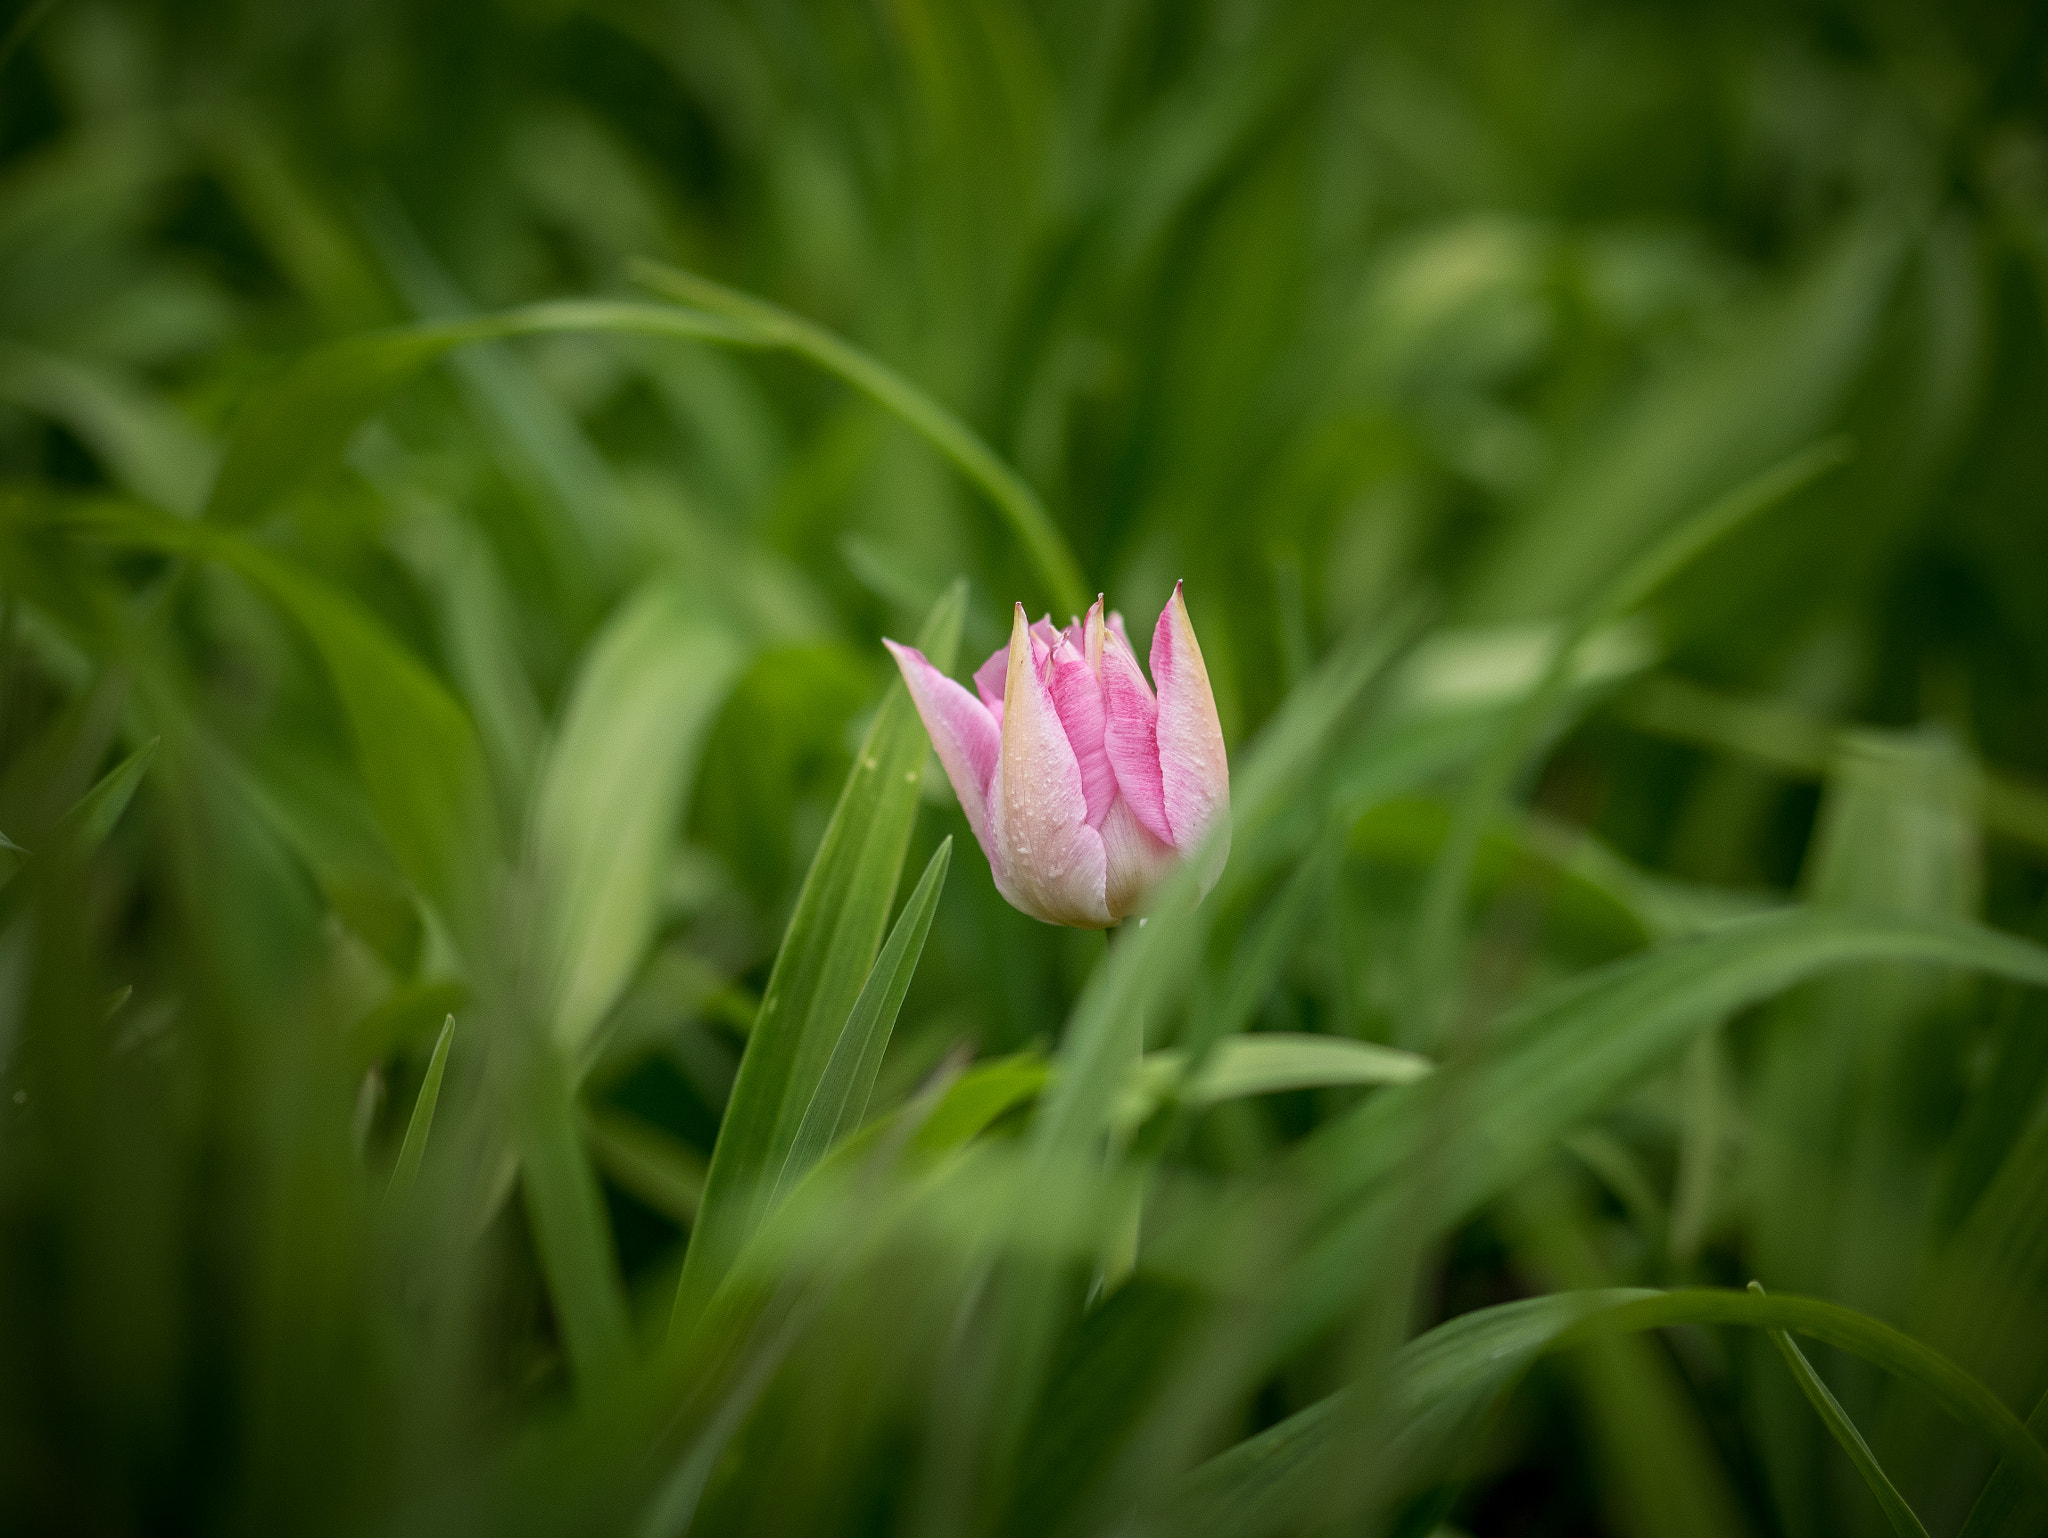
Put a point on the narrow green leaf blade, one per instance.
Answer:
(419, 756)
(1844, 1431)
(825, 957)
(841, 1097)
(414, 1148)
(2008, 1508)
(100, 808)
(1555, 1061)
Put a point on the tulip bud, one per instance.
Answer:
(1082, 786)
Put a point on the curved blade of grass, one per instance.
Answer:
(1437, 923)
(841, 1098)
(771, 325)
(1445, 1383)
(414, 1148)
(300, 424)
(1844, 1431)
(825, 957)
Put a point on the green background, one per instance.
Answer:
(516, 677)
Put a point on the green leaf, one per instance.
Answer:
(147, 447)
(1270, 1061)
(2007, 1508)
(299, 425)
(401, 1018)
(1560, 1058)
(93, 818)
(1844, 1431)
(1142, 967)
(770, 325)
(974, 1101)
(1444, 1383)
(841, 1098)
(826, 954)
(613, 789)
(417, 751)
(565, 1206)
(1709, 423)
(1442, 1386)
(414, 1148)
(1438, 919)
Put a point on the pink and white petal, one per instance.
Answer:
(989, 679)
(1077, 696)
(1194, 770)
(1043, 639)
(963, 733)
(1116, 624)
(1091, 636)
(1129, 736)
(1135, 862)
(1038, 820)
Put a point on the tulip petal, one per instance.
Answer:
(989, 679)
(1038, 815)
(1134, 861)
(1091, 637)
(1194, 769)
(1077, 695)
(1129, 734)
(963, 733)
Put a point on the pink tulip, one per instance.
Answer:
(1082, 787)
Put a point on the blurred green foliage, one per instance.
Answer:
(423, 598)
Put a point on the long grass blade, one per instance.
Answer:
(825, 958)
(841, 1097)
(93, 818)
(414, 1149)
(1844, 1431)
